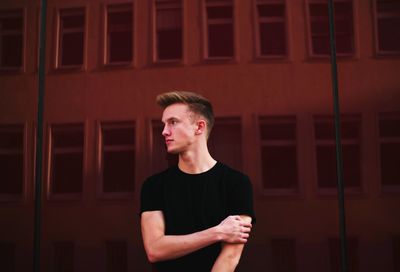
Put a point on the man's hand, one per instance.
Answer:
(234, 229)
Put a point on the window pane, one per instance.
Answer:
(388, 5)
(72, 25)
(118, 171)
(11, 169)
(11, 38)
(12, 51)
(319, 20)
(390, 158)
(272, 39)
(119, 136)
(389, 34)
(119, 27)
(64, 257)
(169, 30)
(67, 136)
(220, 40)
(278, 131)
(169, 44)
(352, 254)
(351, 166)
(283, 255)
(72, 49)
(116, 252)
(11, 137)
(389, 127)
(7, 256)
(67, 173)
(326, 130)
(279, 167)
(219, 12)
(277, 10)
(326, 166)
(72, 21)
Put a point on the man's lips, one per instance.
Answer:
(167, 141)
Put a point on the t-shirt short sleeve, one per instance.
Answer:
(151, 196)
(241, 198)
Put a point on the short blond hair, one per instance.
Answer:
(197, 104)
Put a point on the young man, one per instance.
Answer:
(195, 216)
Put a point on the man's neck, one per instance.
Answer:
(192, 162)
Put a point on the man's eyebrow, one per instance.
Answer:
(169, 119)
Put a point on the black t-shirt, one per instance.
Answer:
(195, 202)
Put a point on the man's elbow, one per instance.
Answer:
(152, 255)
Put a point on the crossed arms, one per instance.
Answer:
(233, 232)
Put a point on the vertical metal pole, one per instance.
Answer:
(39, 139)
(339, 161)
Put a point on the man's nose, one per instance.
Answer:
(165, 131)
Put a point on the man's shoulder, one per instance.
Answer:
(233, 174)
(160, 176)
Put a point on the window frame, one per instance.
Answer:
(309, 32)
(22, 196)
(116, 7)
(155, 58)
(205, 37)
(258, 20)
(376, 16)
(324, 118)
(99, 158)
(386, 189)
(71, 10)
(290, 118)
(23, 32)
(49, 163)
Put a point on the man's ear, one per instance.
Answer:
(201, 126)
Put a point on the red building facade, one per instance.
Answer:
(265, 66)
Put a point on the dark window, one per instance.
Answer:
(388, 26)
(71, 37)
(168, 29)
(326, 151)
(119, 34)
(344, 28)
(278, 152)
(271, 28)
(7, 256)
(160, 158)
(220, 34)
(118, 157)
(11, 39)
(283, 255)
(396, 253)
(389, 133)
(352, 255)
(116, 256)
(225, 142)
(11, 159)
(67, 142)
(64, 256)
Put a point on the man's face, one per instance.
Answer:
(179, 128)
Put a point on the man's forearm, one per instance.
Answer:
(228, 258)
(161, 247)
(174, 246)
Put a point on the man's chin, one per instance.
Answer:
(172, 151)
